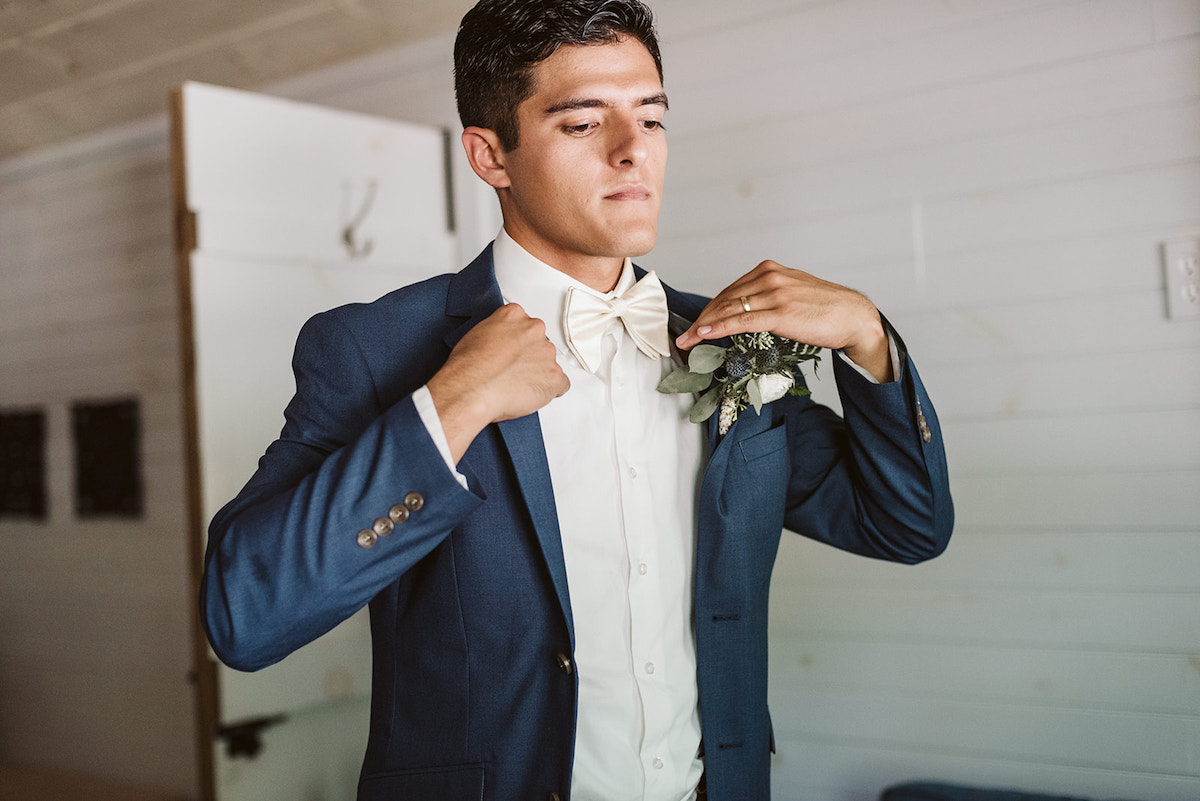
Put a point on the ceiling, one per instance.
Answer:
(71, 67)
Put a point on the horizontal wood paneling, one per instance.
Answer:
(51, 380)
(1108, 83)
(853, 770)
(786, 82)
(94, 613)
(1105, 501)
(1176, 18)
(1168, 197)
(1148, 743)
(1125, 324)
(119, 305)
(1132, 139)
(96, 722)
(1151, 622)
(1008, 559)
(1137, 382)
(999, 177)
(1168, 439)
(1114, 681)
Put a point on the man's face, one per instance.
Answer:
(586, 179)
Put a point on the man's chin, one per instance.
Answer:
(639, 244)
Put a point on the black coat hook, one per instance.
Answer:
(350, 232)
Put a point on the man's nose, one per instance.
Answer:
(629, 145)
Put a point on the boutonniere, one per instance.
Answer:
(755, 369)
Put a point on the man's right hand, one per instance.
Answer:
(502, 369)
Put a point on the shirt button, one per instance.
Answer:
(643, 568)
(633, 473)
(658, 763)
(650, 668)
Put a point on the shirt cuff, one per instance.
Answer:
(433, 424)
(893, 352)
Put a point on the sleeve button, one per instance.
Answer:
(398, 513)
(367, 538)
(414, 501)
(382, 526)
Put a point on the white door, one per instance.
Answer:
(286, 209)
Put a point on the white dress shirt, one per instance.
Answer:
(624, 463)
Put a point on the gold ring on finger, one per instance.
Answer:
(745, 304)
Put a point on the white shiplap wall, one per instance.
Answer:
(94, 646)
(997, 174)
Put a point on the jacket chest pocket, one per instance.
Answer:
(756, 478)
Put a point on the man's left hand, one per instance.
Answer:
(794, 304)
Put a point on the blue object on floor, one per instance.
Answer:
(936, 791)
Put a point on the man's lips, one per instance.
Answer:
(630, 193)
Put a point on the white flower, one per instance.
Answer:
(774, 386)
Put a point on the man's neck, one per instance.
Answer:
(600, 273)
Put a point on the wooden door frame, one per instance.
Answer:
(203, 674)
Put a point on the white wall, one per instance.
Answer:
(996, 174)
(94, 647)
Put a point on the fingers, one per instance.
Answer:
(518, 364)
(751, 303)
(789, 303)
(502, 369)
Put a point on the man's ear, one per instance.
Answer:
(486, 156)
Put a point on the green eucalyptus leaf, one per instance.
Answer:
(706, 404)
(683, 380)
(705, 358)
(754, 392)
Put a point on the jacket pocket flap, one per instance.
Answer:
(760, 445)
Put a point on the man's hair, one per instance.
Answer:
(500, 41)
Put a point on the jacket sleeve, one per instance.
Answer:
(876, 482)
(296, 553)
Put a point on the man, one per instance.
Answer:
(567, 579)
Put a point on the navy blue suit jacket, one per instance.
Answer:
(474, 690)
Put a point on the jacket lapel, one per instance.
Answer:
(523, 438)
(473, 296)
(684, 309)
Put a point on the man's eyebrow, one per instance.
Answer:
(659, 99)
(575, 103)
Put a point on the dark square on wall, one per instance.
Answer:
(23, 464)
(108, 463)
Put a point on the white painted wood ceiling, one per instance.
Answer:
(71, 67)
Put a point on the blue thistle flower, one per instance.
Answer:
(737, 366)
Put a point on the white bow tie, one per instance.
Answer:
(643, 310)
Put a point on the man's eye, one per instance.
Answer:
(653, 125)
(579, 129)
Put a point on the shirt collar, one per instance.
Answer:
(541, 290)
